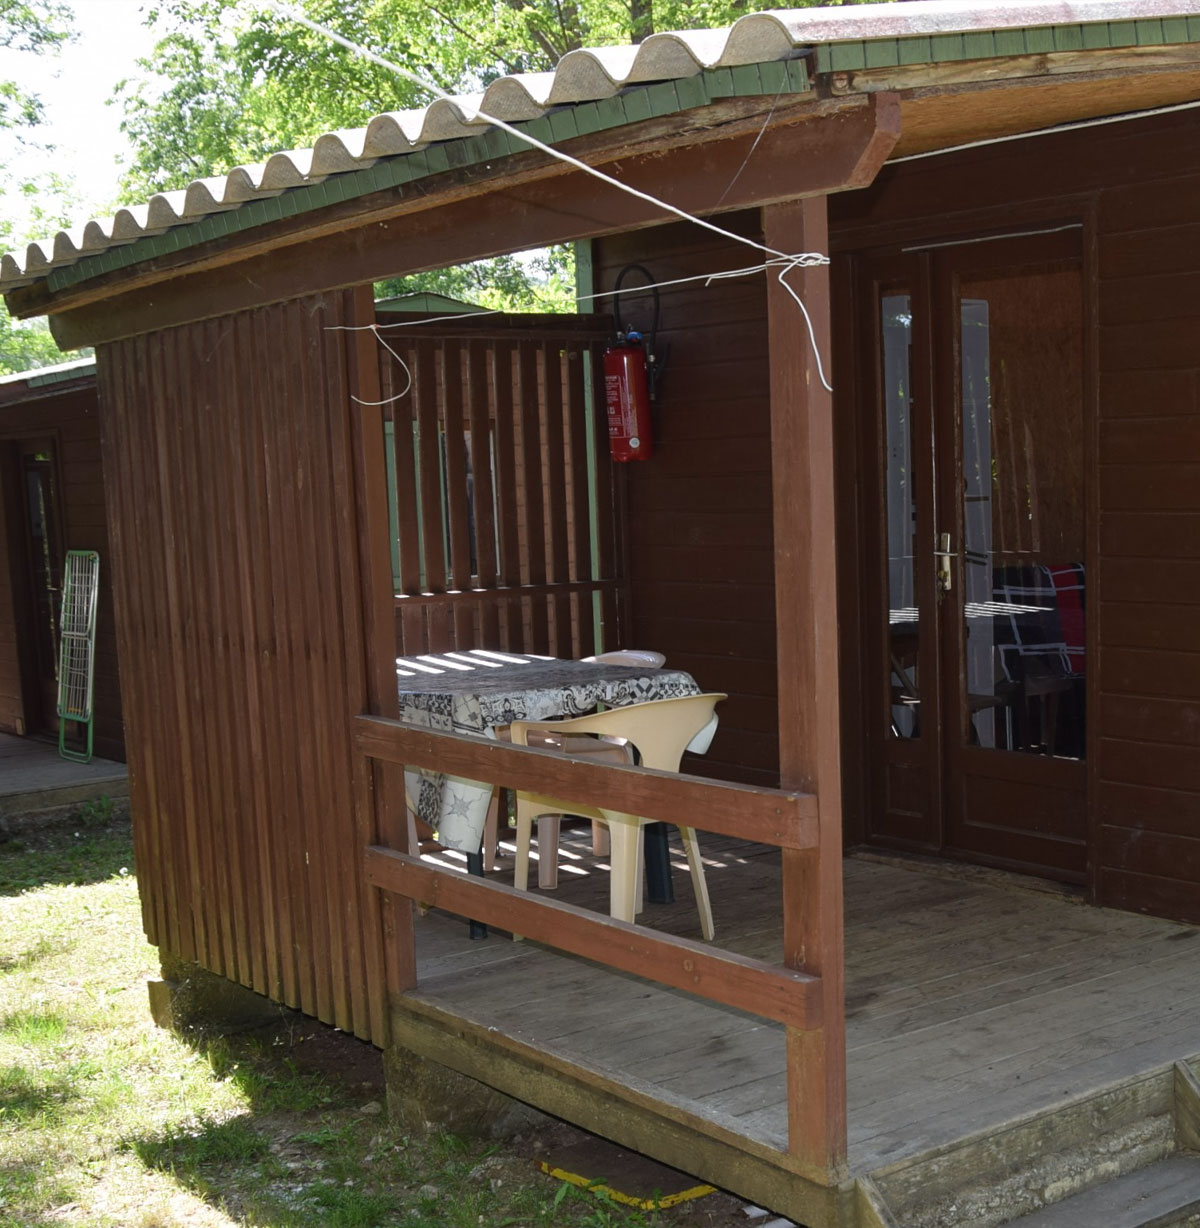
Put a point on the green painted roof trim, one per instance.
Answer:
(82, 371)
(989, 44)
(561, 124)
(61, 373)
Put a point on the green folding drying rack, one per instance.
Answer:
(77, 649)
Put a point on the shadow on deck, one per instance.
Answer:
(979, 1009)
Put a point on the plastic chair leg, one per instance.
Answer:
(699, 883)
(600, 841)
(625, 837)
(639, 870)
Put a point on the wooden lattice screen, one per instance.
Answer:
(501, 490)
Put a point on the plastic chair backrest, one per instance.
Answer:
(631, 656)
(660, 729)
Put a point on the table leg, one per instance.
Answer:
(659, 889)
(475, 866)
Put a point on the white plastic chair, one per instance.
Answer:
(647, 658)
(661, 731)
(630, 656)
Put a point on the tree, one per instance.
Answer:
(227, 86)
(34, 27)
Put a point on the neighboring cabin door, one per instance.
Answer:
(973, 489)
(36, 545)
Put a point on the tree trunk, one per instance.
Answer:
(641, 19)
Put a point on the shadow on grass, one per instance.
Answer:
(233, 1164)
(19, 961)
(24, 1185)
(71, 852)
(31, 1096)
(311, 1149)
(296, 1156)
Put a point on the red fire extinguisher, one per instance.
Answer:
(627, 394)
(630, 376)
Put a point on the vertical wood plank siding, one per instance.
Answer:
(1136, 185)
(228, 452)
(700, 539)
(71, 419)
(491, 481)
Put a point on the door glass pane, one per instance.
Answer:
(1022, 604)
(901, 515)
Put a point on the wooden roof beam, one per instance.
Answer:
(822, 153)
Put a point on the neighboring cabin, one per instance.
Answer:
(52, 500)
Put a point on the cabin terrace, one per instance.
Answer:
(948, 825)
(52, 500)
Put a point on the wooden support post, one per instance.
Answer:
(383, 783)
(807, 635)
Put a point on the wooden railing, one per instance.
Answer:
(503, 527)
(505, 617)
(786, 820)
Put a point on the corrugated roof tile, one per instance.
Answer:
(599, 83)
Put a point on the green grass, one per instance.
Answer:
(75, 853)
(106, 1120)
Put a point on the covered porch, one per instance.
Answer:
(1003, 1039)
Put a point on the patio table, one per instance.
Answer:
(480, 691)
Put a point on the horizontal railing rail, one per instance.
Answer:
(769, 990)
(766, 816)
(745, 812)
(510, 592)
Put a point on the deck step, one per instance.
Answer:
(1163, 1195)
(1038, 1164)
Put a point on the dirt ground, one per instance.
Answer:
(338, 1057)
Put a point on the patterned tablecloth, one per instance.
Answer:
(478, 691)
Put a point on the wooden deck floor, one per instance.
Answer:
(33, 776)
(970, 1002)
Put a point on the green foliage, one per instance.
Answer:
(25, 345)
(96, 811)
(33, 27)
(230, 84)
(538, 281)
(75, 853)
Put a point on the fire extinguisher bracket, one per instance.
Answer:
(630, 377)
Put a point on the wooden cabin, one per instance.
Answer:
(952, 811)
(51, 500)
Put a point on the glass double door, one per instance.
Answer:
(974, 502)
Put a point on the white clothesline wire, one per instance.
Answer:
(785, 265)
(805, 259)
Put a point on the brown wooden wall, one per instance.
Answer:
(228, 453)
(698, 515)
(71, 418)
(1136, 188)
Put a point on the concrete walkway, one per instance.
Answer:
(33, 776)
